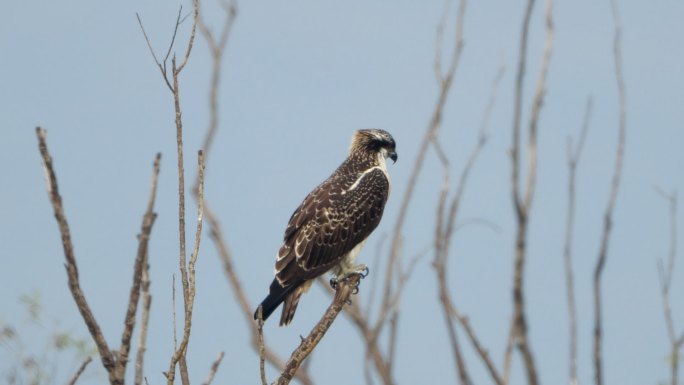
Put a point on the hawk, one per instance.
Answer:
(328, 229)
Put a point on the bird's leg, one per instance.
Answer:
(343, 271)
(347, 270)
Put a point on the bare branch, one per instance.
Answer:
(217, 49)
(173, 36)
(189, 281)
(665, 277)
(430, 133)
(614, 188)
(523, 203)
(108, 359)
(444, 231)
(262, 348)
(345, 288)
(214, 368)
(191, 40)
(80, 370)
(139, 265)
(162, 68)
(144, 322)
(573, 159)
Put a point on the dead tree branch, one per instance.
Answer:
(187, 269)
(262, 346)
(108, 359)
(522, 201)
(217, 47)
(114, 363)
(614, 188)
(144, 322)
(665, 277)
(141, 262)
(394, 278)
(214, 368)
(189, 284)
(345, 289)
(80, 370)
(444, 230)
(445, 81)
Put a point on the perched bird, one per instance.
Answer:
(327, 231)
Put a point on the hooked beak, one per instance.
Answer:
(393, 155)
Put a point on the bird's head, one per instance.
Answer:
(374, 141)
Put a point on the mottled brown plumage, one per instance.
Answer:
(328, 229)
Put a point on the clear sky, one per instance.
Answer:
(298, 78)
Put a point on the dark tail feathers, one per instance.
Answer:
(276, 296)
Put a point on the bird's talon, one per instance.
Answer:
(364, 273)
(333, 283)
(348, 301)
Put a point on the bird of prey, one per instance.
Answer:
(328, 229)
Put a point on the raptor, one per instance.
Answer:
(329, 228)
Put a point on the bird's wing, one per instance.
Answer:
(328, 224)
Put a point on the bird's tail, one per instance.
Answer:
(276, 296)
(290, 306)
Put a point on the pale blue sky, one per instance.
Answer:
(298, 78)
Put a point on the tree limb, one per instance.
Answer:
(345, 288)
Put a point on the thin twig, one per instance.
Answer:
(665, 278)
(614, 188)
(80, 370)
(345, 288)
(214, 368)
(573, 159)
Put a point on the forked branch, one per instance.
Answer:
(114, 363)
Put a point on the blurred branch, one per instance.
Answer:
(217, 49)
(523, 203)
(445, 81)
(614, 188)
(573, 158)
(444, 230)
(665, 277)
(345, 288)
(80, 370)
(393, 282)
(214, 368)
